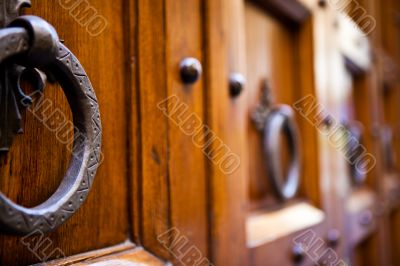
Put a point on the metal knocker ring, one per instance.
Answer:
(31, 38)
(281, 120)
(354, 147)
(271, 122)
(388, 151)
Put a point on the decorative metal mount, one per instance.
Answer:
(10, 10)
(272, 121)
(12, 98)
(263, 110)
(27, 44)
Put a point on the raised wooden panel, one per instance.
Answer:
(154, 178)
(227, 117)
(172, 179)
(187, 158)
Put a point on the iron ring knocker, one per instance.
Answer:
(388, 152)
(355, 130)
(281, 120)
(272, 122)
(37, 40)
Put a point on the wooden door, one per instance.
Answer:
(146, 185)
(186, 175)
(162, 177)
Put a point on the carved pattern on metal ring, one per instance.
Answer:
(78, 180)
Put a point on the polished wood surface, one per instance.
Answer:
(122, 254)
(172, 185)
(228, 119)
(160, 196)
(32, 170)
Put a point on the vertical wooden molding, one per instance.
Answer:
(152, 69)
(187, 162)
(228, 119)
(379, 253)
(173, 181)
(134, 122)
(311, 185)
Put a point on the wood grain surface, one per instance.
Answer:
(33, 168)
(159, 172)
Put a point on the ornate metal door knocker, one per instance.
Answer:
(354, 149)
(28, 43)
(272, 121)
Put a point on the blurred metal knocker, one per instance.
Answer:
(388, 150)
(354, 149)
(28, 44)
(272, 121)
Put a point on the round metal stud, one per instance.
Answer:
(191, 70)
(366, 218)
(236, 84)
(322, 3)
(298, 253)
(333, 238)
